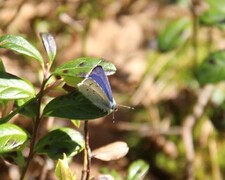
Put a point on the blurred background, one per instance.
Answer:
(157, 47)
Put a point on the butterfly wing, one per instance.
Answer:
(100, 77)
(92, 91)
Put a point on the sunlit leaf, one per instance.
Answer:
(62, 170)
(212, 70)
(111, 151)
(2, 68)
(11, 137)
(20, 45)
(173, 35)
(76, 123)
(74, 70)
(216, 4)
(137, 170)
(50, 46)
(81, 67)
(213, 17)
(59, 141)
(73, 106)
(13, 87)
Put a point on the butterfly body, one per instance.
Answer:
(96, 88)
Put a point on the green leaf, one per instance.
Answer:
(2, 68)
(218, 5)
(28, 108)
(74, 70)
(137, 170)
(62, 170)
(25, 109)
(217, 118)
(73, 106)
(50, 46)
(82, 66)
(12, 137)
(15, 157)
(59, 141)
(173, 35)
(212, 70)
(213, 17)
(13, 87)
(112, 172)
(76, 123)
(20, 45)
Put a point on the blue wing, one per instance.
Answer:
(100, 77)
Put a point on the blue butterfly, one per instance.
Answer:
(96, 88)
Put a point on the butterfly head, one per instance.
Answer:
(113, 106)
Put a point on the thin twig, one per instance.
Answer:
(194, 33)
(213, 153)
(35, 129)
(87, 154)
(189, 122)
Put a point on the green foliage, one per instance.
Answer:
(15, 157)
(20, 45)
(2, 68)
(112, 172)
(74, 69)
(63, 171)
(215, 15)
(212, 70)
(23, 109)
(12, 138)
(218, 118)
(76, 123)
(173, 82)
(28, 102)
(27, 108)
(173, 35)
(59, 141)
(13, 87)
(137, 170)
(73, 106)
(80, 67)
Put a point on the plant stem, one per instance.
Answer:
(195, 32)
(35, 128)
(87, 154)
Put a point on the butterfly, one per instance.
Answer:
(97, 89)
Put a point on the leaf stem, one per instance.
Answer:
(87, 154)
(35, 128)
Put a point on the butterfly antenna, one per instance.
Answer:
(128, 107)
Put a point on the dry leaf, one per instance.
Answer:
(103, 177)
(111, 151)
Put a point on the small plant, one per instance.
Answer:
(18, 96)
